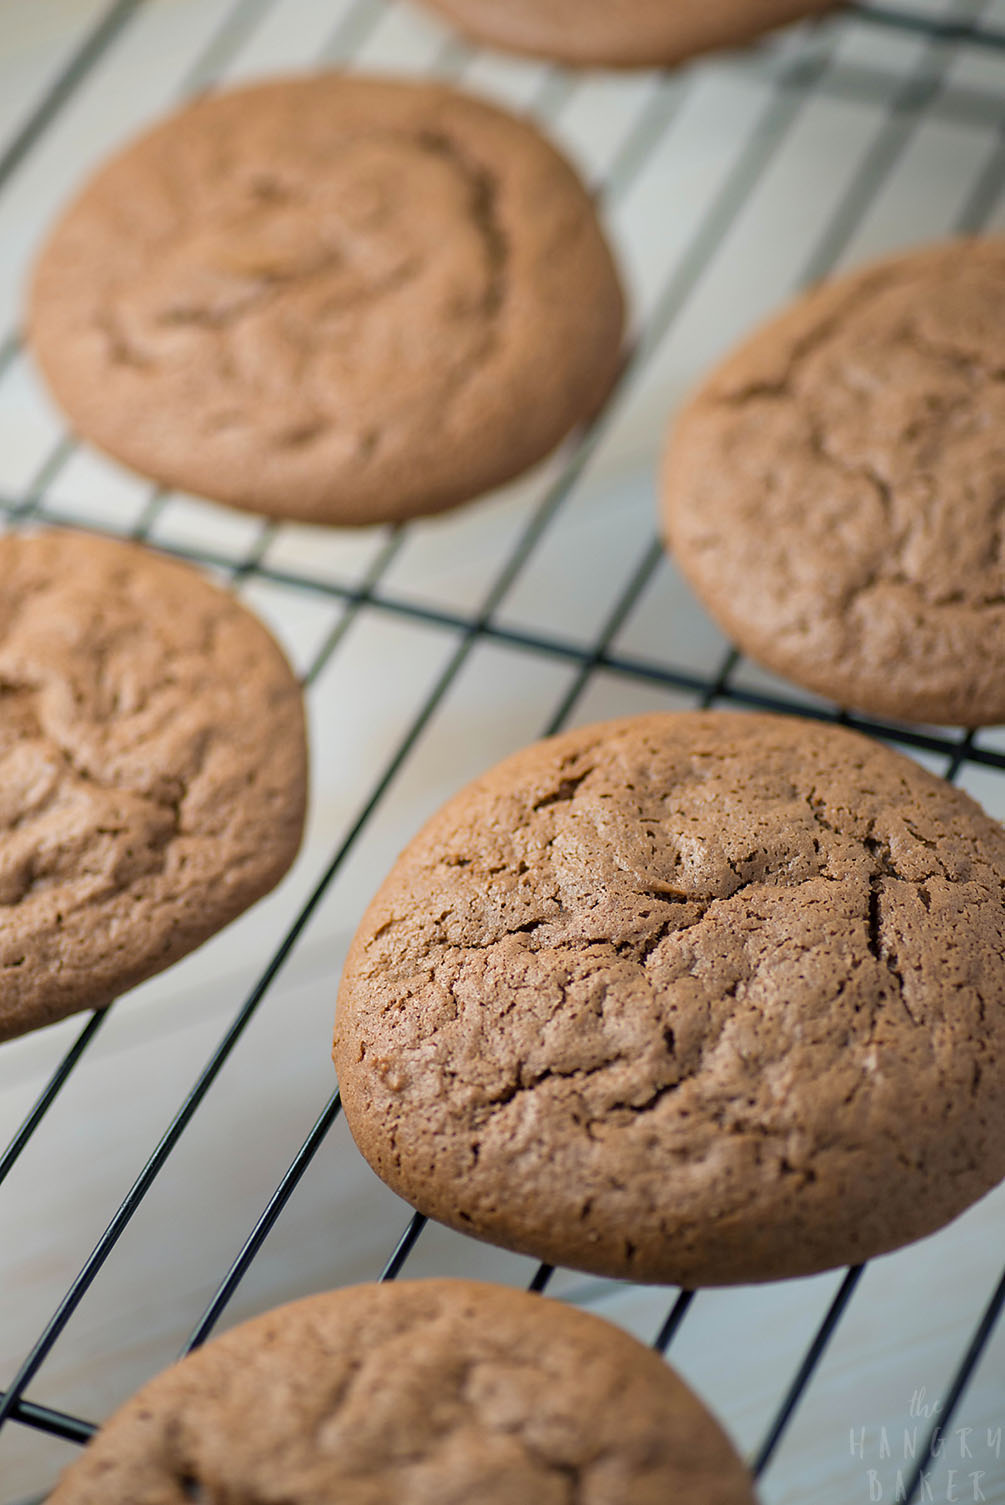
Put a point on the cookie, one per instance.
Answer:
(440, 1392)
(152, 769)
(344, 300)
(834, 492)
(628, 34)
(700, 998)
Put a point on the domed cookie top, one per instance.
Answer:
(418, 1393)
(339, 299)
(628, 33)
(152, 769)
(698, 998)
(834, 492)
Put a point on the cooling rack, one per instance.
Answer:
(164, 1170)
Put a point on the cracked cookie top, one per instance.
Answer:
(699, 998)
(438, 1392)
(338, 299)
(632, 33)
(835, 492)
(152, 769)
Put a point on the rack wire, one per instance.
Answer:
(808, 66)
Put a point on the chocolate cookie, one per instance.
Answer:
(700, 998)
(428, 1393)
(152, 769)
(621, 33)
(835, 492)
(339, 299)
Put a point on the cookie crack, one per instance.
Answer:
(572, 1473)
(256, 286)
(521, 1084)
(657, 1096)
(807, 346)
(786, 386)
(483, 205)
(963, 358)
(564, 792)
(879, 949)
(158, 842)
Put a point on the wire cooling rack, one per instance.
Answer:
(427, 652)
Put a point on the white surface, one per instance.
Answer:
(907, 1324)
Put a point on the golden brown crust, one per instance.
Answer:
(327, 298)
(834, 491)
(152, 769)
(426, 1393)
(698, 998)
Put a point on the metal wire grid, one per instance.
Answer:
(795, 78)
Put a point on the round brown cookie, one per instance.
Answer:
(621, 33)
(345, 300)
(440, 1392)
(152, 769)
(835, 491)
(700, 998)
